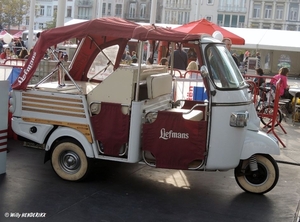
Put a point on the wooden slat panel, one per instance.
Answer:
(53, 112)
(83, 128)
(64, 103)
(58, 108)
(51, 97)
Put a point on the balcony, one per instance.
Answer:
(138, 18)
(87, 17)
(83, 3)
(232, 9)
(179, 7)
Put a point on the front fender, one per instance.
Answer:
(69, 132)
(259, 142)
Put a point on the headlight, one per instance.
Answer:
(239, 119)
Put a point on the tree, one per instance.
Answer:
(52, 24)
(12, 12)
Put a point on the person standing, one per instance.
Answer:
(192, 55)
(134, 57)
(18, 46)
(193, 66)
(258, 59)
(245, 61)
(11, 45)
(1, 45)
(282, 74)
(180, 58)
(228, 44)
(128, 58)
(284, 87)
(259, 80)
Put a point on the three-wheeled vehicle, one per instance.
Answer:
(100, 107)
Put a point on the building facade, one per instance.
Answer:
(279, 14)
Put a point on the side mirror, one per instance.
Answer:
(204, 71)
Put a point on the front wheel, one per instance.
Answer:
(69, 161)
(260, 181)
(265, 114)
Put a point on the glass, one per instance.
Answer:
(223, 70)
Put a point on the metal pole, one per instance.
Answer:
(153, 11)
(152, 21)
(31, 21)
(61, 8)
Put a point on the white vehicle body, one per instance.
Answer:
(131, 116)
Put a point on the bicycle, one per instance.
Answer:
(265, 106)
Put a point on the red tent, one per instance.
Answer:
(2, 34)
(18, 34)
(205, 26)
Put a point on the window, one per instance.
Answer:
(69, 11)
(293, 14)
(27, 20)
(210, 2)
(268, 12)
(42, 10)
(186, 17)
(220, 20)
(132, 10)
(279, 12)
(109, 9)
(49, 9)
(118, 10)
(143, 11)
(180, 18)
(223, 70)
(103, 63)
(41, 25)
(227, 21)
(103, 8)
(83, 13)
(241, 21)
(208, 18)
(256, 10)
(167, 17)
(234, 22)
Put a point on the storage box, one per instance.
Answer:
(199, 93)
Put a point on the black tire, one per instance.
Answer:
(266, 120)
(69, 161)
(261, 181)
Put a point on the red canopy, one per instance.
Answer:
(2, 34)
(18, 34)
(96, 35)
(205, 26)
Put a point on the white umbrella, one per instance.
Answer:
(7, 37)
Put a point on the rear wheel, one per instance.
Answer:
(260, 181)
(69, 161)
(266, 114)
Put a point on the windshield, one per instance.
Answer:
(103, 64)
(223, 70)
